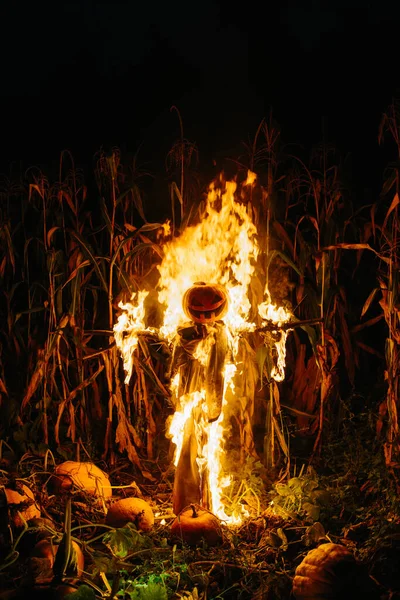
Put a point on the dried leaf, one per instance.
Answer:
(50, 234)
(368, 323)
(282, 536)
(33, 384)
(369, 349)
(281, 231)
(395, 202)
(68, 199)
(369, 300)
(356, 247)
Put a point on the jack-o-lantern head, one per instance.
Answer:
(204, 303)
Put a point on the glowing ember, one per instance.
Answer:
(220, 250)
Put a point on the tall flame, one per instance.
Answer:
(221, 249)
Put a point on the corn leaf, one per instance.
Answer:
(94, 260)
(395, 202)
(344, 246)
(285, 258)
(369, 300)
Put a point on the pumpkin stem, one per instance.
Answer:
(194, 515)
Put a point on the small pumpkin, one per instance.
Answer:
(205, 303)
(83, 475)
(22, 505)
(130, 510)
(327, 572)
(194, 524)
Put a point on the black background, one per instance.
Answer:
(83, 74)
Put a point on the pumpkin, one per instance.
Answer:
(46, 549)
(83, 475)
(328, 572)
(194, 524)
(205, 303)
(22, 505)
(130, 510)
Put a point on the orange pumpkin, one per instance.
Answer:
(327, 572)
(204, 303)
(84, 476)
(131, 510)
(22, 505)
(195, 524)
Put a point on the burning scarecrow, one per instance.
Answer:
(209, 312)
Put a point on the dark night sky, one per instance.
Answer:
(85, 73)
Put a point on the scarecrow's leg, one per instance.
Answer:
(187, 480)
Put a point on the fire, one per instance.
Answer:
(222, 249)
(130, 324)
(278, 315)
(177, 425)
(215, 448)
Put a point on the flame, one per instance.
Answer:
(127, 328)
(278, 315)
(221, 249)
(177, 425)
(214, 452)
(203, 348)
(251, 178)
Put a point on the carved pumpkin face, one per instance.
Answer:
(205, 303)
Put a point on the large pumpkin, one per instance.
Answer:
(194, 525)
(205, 303)
(84, 476)
(328, 572)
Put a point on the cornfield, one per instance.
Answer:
(70, 252)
